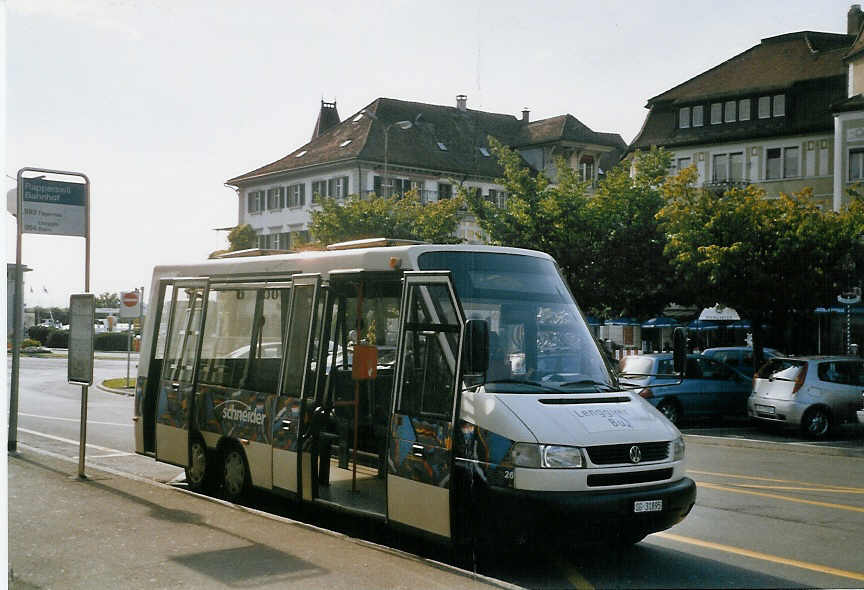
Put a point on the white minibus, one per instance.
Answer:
(452, 390)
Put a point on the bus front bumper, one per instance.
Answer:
(595, 516)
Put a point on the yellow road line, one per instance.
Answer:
(754, 478)
(799, 488)
(573, 576)
(779, 497)
(815, 567)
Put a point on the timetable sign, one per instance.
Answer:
(53, 207)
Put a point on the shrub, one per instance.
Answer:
(111, 341)
(30, 342)
(41, 333)
(58, 339)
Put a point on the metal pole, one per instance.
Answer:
(83, 437)
(18, 326)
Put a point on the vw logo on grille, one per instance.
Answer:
(635, 454)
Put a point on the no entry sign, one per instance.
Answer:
(130, 305)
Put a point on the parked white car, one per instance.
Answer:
(815, 393)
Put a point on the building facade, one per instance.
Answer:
(394, 146)
(766, 116)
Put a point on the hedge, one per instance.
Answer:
(104, 341)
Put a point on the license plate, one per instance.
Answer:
(765, 409)
(648, 506)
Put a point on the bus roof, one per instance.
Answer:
(385, 258)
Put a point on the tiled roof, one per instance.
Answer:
(808, 67)
(777, 62)
(461, 132)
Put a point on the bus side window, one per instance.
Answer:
(431, 345)
(227, 336)
(271, 316)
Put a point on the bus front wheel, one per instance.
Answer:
(199, 472)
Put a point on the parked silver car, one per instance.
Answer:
(815, 393)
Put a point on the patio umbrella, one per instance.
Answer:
(660, 322)
(702, 326)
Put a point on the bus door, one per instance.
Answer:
(427, 384)
(176, 385)
(291, 414)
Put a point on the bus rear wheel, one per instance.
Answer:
(235, 473)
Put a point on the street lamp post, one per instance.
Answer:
(404, 125)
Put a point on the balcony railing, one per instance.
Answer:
(724, 185)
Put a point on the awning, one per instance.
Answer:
(593, 321)
(740, 325)
(719, 313)
(841, 309)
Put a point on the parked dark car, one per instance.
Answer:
(739, 358)
(710, 389)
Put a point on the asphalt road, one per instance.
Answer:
(764, 517)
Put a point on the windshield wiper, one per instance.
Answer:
(522, 382)
(589, 382)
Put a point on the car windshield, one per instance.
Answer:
(538, 337)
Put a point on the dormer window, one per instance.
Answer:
(716, 113)
(698, 115)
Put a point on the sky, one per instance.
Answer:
(159, 102)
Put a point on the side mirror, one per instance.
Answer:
(476, 350)
(679, 350)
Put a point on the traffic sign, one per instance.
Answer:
(53, 207)
(130, 305)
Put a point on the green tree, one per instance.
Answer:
(108, 300)
(403, 217)
(774, 260)
(242, 237)
(608, 243)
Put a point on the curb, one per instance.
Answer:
(791, 447)
(123, 392)
(285, 520)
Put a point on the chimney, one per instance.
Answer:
(525, 114)
(462, 102)
(854, 19)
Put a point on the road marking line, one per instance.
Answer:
(805, 483)
(73, 420)
(799, 488)
(824, 569)
(70, 441)
(780, 497)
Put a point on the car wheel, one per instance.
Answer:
(816, 422)
(671, 410)
(199, 471)
(235, 474)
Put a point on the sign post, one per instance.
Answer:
(82, 317)
(130, 308)
(49, 207)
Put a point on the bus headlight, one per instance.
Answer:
(678, 449)
(546, 456)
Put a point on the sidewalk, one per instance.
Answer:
(118, 531)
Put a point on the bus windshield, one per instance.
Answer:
(538, 338)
